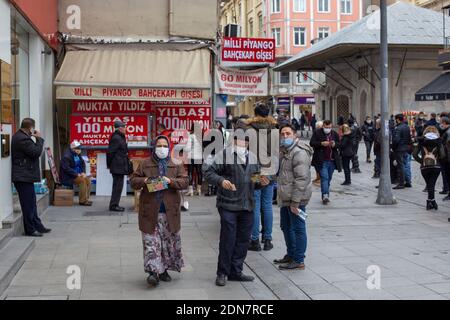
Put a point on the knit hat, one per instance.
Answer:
(119, 124)
(262, 110)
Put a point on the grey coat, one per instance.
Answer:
(294, 177)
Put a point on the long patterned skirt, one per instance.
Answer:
(162, 249)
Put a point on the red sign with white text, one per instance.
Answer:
(248, 50)
(95, 131)
(180, 119)
(110, 107)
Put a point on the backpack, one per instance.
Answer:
(429, 158)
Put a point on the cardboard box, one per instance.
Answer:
(63, 198)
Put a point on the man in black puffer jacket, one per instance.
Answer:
(118, 163)
(401, 145)
(26, 149)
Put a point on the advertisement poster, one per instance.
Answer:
(248, 50)
(95, 131)
(242, 82)
(180, 119)
(110, 107)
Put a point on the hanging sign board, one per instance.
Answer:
(242, 82)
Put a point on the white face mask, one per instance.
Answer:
(162, 152)
(241, 151)
(327, 130)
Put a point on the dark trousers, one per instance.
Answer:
(400, 159)
(117, 188)
(377, 165)
(198, 173)
(27, 198)
(445, 169)
(369, 145)
(235, 230)
(346, 167)
(430, 175)
(355, 159)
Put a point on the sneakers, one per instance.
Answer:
(292, 266)
(190, 192)
(325, 199)
(268, 245)
(153, 279)
(254, 245)
(285, 259)
(165, 277)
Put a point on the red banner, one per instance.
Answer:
(179, 119)
(110, 107)
(248, 50)
(95, 131)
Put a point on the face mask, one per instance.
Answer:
(162, 152)
(287, 142)
(327, 130)
(241, 151)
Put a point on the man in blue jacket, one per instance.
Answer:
(73, 171)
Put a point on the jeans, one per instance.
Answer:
(326, 174)
(263, 202)
(400, 157)
(407, 162)
(346, 167)
(430, 175)
(235, 230)
(368, 148)
(294, 231)
(27, 198)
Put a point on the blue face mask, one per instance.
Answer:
(287, 142)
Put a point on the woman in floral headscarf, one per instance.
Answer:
(159, 212)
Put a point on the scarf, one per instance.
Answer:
(162, 164)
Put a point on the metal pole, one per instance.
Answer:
(385, 196)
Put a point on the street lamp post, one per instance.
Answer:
(385, 196)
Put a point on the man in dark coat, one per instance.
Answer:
(368, 132)
(118, 164)
(356, 138)
(401, 144)
(26, 149)
(326, 159)
(232, 171)
(73, 171)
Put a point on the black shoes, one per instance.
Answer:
(285, 259)
(45, 230)
(408, 185)
(447, 198)
(116, 209)
(398, 187)
(165, 277)
(431, 204)
(221, 280)
(325, 200)
(241, 278)
(268, 245)
(35, 234)
(356, 170)
(346, 183)
(292, 266)
(443, 192)
(153, 279)
(254, 245)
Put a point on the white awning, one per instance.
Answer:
(135, 75)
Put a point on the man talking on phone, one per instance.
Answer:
(232, 171)
(26, 149)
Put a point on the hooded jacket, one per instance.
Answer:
(430, 143)
(264, 143)
(294, 177)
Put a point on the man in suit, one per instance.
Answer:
(26, 149)
(118, 164)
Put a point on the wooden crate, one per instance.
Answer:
(63, 198)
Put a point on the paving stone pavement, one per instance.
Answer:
(410, 246)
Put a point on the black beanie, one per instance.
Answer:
(262, 110)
